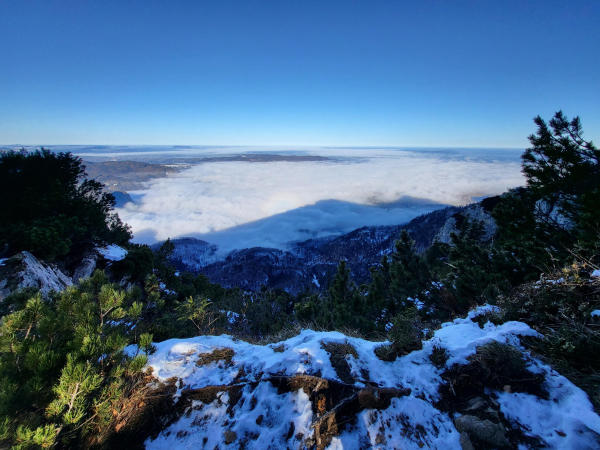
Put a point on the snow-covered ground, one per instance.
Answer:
(263, 418)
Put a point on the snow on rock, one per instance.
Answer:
(25, 270)
(566, 420)
(315, 281)
(417, 413)
(264, 417)
(113, 252)
(264, 414)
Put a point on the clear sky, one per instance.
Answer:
(354, 73)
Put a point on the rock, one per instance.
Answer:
(476, 403)
(473, 212)
(230, 436)
(465, 442)
(25, 270)
(482, 430)
(493, 413)
(85, 268)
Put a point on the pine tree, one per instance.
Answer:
(346, 303)
(62, 366)
(49, 207)
(563, 184)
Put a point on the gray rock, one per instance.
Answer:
(25, 270)
(465, 442)
(85, 268)
(483, 430)
(476, 403)
(473, 212)
(230, 436)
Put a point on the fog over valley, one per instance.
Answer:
(241, 197)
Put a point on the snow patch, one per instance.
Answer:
(563, 421)
(315, 281)
(113, 253)
(261, 413)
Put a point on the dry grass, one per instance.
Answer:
(386, 352)
(296, 328)
(339, 349)
(439, 356)
(339, 352)
(135, 415)
(502, 364)
(494, 317)
(219, 354)
(559, 307)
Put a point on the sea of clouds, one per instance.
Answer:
(269, 204)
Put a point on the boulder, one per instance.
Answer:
(25, 270)
(485, 431)
(465, 442)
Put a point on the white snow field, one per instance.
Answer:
(272, 421)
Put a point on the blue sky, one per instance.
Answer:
(379, 73)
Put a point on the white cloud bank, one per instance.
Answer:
(240, 204)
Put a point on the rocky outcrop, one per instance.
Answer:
(85, 268)
(25, 270)
(309, 264)
(474, 212)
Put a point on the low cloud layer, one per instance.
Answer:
(239, 204)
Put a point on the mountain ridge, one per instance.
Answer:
(310, 264)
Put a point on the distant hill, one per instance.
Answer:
(311, 264)
(126, 175)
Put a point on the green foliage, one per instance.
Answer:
(50, 209)
(264, 313)
(62, 366)
(559, 306)
(407, 331)
(548, 224)
(558, 211)
(410, 273)
(560, 167)
(41, 437)
(408, 278)
(197, 310)
(346, 304)
(137, 264)
(479, 271)
(406, 334)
